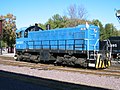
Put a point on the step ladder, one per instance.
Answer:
(92, 58)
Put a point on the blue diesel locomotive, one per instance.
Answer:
(65, 46)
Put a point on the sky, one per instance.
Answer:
(29, 12)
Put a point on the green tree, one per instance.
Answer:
(107, 31)
(118, 32)
(57, 21)
(42, 26)
(9, 27)
(115, 31)
(110, 30)
(102, 30)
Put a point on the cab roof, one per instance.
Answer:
(21, 29)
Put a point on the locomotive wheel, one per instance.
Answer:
(118, 60)
(37, 60)
(58, 61)
(19, 58)
(34, 58)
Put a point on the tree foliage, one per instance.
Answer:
(102, 30)
(57, 21)
(107, 31)
(9, 27)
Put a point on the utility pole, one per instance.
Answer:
(1, 36)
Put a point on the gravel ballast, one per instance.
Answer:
(109, 82)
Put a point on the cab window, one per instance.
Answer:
(26, 33)
(19, 34)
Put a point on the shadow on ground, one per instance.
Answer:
(13, 81)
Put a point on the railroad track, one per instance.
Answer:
(112, 71)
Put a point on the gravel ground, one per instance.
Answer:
(108, 82)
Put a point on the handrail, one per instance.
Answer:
(96, 43)
(110, 45)
(95, 46)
